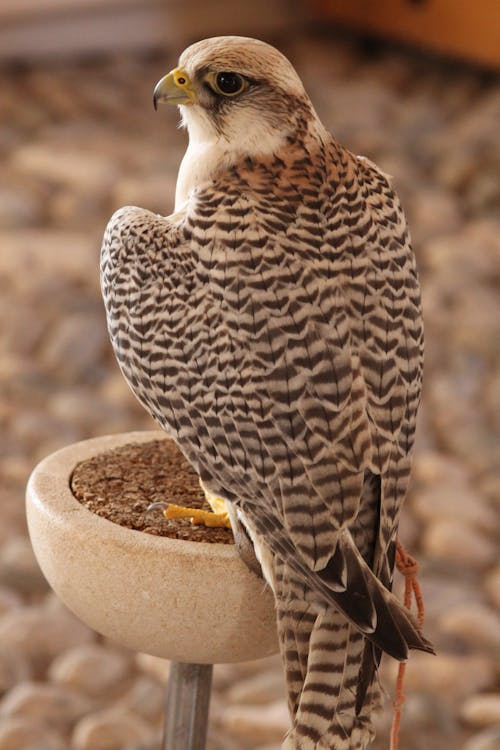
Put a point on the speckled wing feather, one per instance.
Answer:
(273, 329)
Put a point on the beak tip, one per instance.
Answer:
(155, 103)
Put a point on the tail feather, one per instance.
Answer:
(325, 618)
(369, 665)
(368, 604)
(322, 653)
(348, 584)
(331, 643)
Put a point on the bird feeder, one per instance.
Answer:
(191, 602)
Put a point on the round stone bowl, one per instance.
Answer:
(187, 601)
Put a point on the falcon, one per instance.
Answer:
(272, 326)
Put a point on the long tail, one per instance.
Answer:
(322, 654)
(348, 585)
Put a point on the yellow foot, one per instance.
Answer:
(197, 516)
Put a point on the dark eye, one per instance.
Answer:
(229, 83)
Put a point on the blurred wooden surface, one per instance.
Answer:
(454, 27)
(31, 29)
(34, 29)
(32, 8)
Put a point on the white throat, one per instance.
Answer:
(209, 152)
(198, 166)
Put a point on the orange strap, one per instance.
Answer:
(408, 567)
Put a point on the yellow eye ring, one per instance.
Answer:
(180, 78)
(227, 83)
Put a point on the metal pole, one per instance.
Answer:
(186, 711)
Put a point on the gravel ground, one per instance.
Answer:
(77, 142)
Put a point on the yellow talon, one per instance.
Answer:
(197, 516)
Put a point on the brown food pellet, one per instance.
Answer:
(121, 483)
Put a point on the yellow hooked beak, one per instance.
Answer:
(174, 88)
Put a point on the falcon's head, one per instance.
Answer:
(237, 89)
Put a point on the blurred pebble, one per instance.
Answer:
(47, 704)
(75, 208)
(454, 174)
(95, 670)
(433, 212)
(41, 633)
(478, 626)
(85, 169)
(26, 332)
(19, 569)
(19, 733)
(449, 675)
(43, 250)
(224, 675)
(72, 406)
(9, 599)
(476, 327)
(427, 711)
(262, 724)
(14, 668)
(116, 391)
(155, 192)
(111, 730)
(442, 595)
(457, 543)
(488, 740)
(409, 530)
(492, 586)
(19, 208)
(260, 689)
(154, 666)
(431, 467)
(145, 698)
(472, 254)
(41, 432)
(442, 501)
(76, 344)
(482, 710)
(55, 92)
